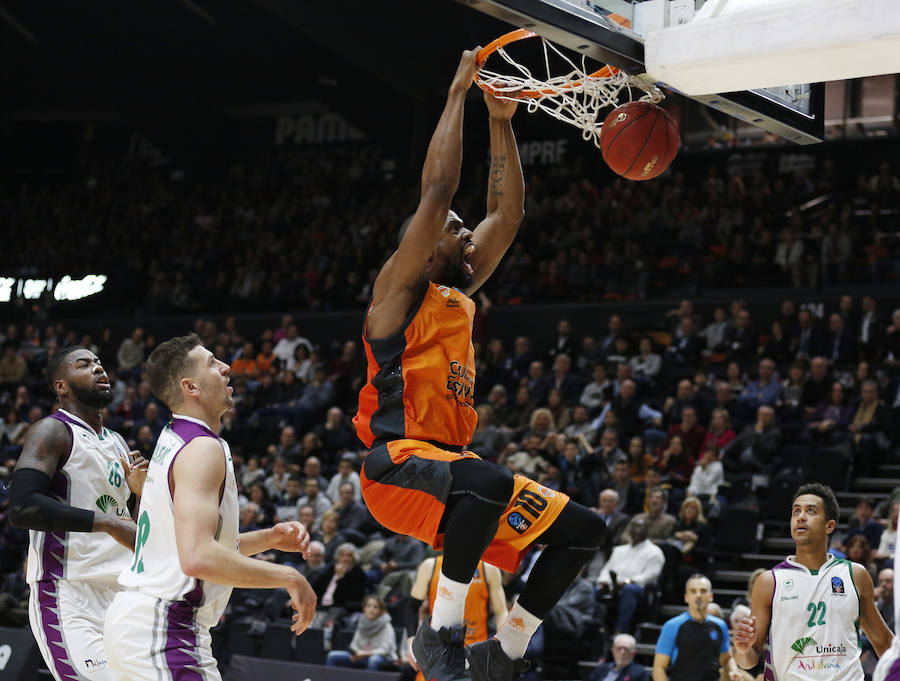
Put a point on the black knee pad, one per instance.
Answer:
(482, 479)
(594, 529)
(499, 483)
(577, 527)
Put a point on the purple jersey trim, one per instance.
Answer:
(65, 418)
(53, 553)
(188, 430)
(48, 600)
(784, 565)
(894, 672)
(195, 595)
(181, 642)
(769, 670)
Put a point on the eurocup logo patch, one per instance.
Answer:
(837, 586)
(518, 522)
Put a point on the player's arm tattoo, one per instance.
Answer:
(497, 174)
(46, 445)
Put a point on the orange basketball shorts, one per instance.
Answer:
(405, 484)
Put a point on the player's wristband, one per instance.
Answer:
(31, 508)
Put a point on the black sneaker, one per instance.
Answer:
(440, 654)
(487, 662)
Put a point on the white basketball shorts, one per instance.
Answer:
(148, 639)
(67, 621)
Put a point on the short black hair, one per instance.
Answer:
(825, 493)
(54, 366)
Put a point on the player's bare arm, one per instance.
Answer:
(494, 581)
(291, 536)
(505, 195)
(47, 444)
(419, 590)
(750, 632)
(660, 665)
(402, 274)
(870, 619)
(726, 662)
(197, 478)
(135, 467)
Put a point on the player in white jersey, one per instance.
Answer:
(188, 554)
(71, 489)
(888, 668)
(806, 612)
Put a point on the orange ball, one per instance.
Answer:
(639, 140)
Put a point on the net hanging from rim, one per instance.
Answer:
(576, 97)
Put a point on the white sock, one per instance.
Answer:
(517, 631)
(449, 603)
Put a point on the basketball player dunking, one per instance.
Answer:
(806, 612)
(188, 553)
(416, 411)
(71, 489)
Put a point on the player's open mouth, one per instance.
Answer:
(468, 251)
(103, 383)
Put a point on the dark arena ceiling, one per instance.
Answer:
(108, 54)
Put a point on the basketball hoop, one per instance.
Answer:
(576, 97)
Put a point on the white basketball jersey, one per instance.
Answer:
(91, 478)
(155, 569)
(814, 632)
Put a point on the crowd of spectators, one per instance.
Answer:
(659, 430)
(304, 230)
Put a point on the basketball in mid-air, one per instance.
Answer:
(639, 140)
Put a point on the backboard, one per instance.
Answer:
(605, 30)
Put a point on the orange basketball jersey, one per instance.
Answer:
(421, 380)
(476, 614)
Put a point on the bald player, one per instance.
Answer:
(71, 489)
(416, 411)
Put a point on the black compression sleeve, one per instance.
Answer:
(31, 508)
(411, 615)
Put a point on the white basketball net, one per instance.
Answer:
(576, 97)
